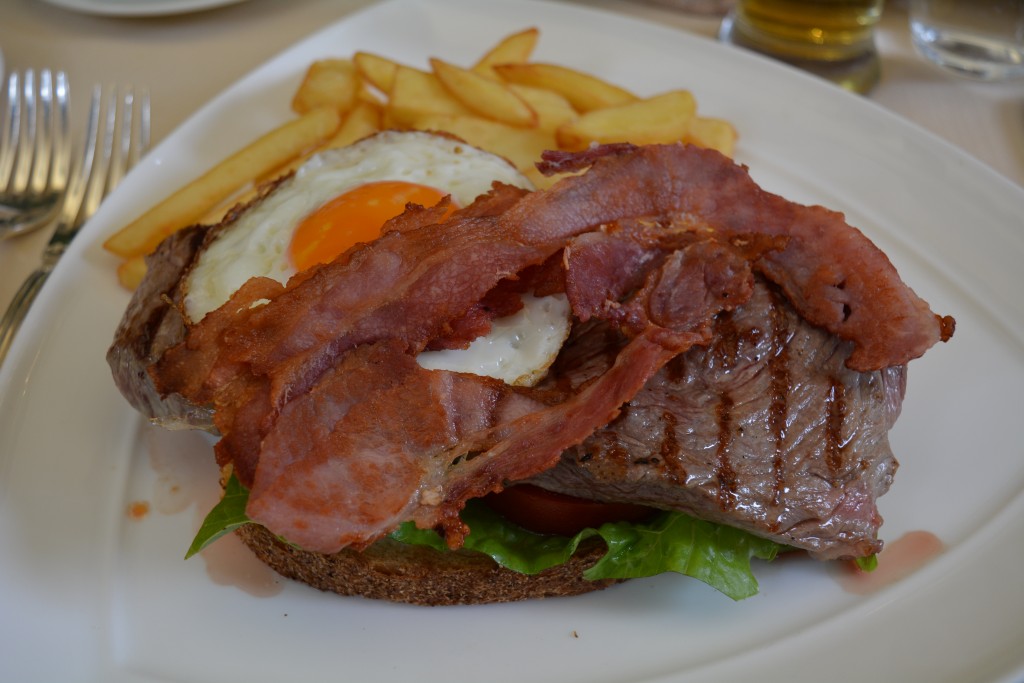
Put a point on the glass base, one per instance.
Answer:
(859, 74)
(969, 54)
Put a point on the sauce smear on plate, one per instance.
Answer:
(898, 559)
(187, 477)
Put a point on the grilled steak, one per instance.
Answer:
(765, 429)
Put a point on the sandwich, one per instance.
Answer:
(501, 393)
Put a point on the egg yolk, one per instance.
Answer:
(354, 216)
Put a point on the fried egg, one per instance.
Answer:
(518, 349)
(342, 197)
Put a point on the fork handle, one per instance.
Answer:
(18, 307)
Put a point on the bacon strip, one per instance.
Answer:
(834, 275)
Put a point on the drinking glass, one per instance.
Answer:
(983, 39)
(832, 38)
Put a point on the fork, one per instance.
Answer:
(117, 135)
(35, 150)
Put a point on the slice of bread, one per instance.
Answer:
(390, 570)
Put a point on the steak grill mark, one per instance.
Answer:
(781, 386)
(724, 472)
(834, 444)
(669, 449)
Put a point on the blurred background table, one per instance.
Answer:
(187, 59)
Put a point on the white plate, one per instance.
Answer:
(92, 594)
(139, 8)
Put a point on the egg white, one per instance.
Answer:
(518, 350)
(257, 243)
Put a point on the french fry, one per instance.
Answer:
(378, 71)
(328, 82)
(189, 203)
(131, 272)
(504, 104)
(242, 196)
(366, 92)
(511, 49)
(487, 97)
(713, 133)
(416, 93)
(539, 180)
(584, 92)
(551, 108)
(521, 146)
(659, 119)
(362, 120)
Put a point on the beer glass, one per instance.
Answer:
(832, 38)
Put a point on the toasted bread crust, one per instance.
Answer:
(389, 570)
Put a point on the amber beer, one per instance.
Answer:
(832, 37)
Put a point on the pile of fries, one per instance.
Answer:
(504, 103)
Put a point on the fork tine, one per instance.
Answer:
(11, 131)
(119, 160)
(35, 143)
(28, 132)
(142, 138)
(61, 160)
(127, 125)
(89, 184)
(44, 134)
(102, 163)
(79, 180)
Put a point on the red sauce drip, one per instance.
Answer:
(898, 559)
(137, 510)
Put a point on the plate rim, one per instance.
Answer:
(79, 247)
(140, 8)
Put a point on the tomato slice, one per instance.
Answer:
(547, 512)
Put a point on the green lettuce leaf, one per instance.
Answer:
(867, 564)
(509, 545)
(715, 554)
(718, 555)
(672, 541)
(225, 517)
